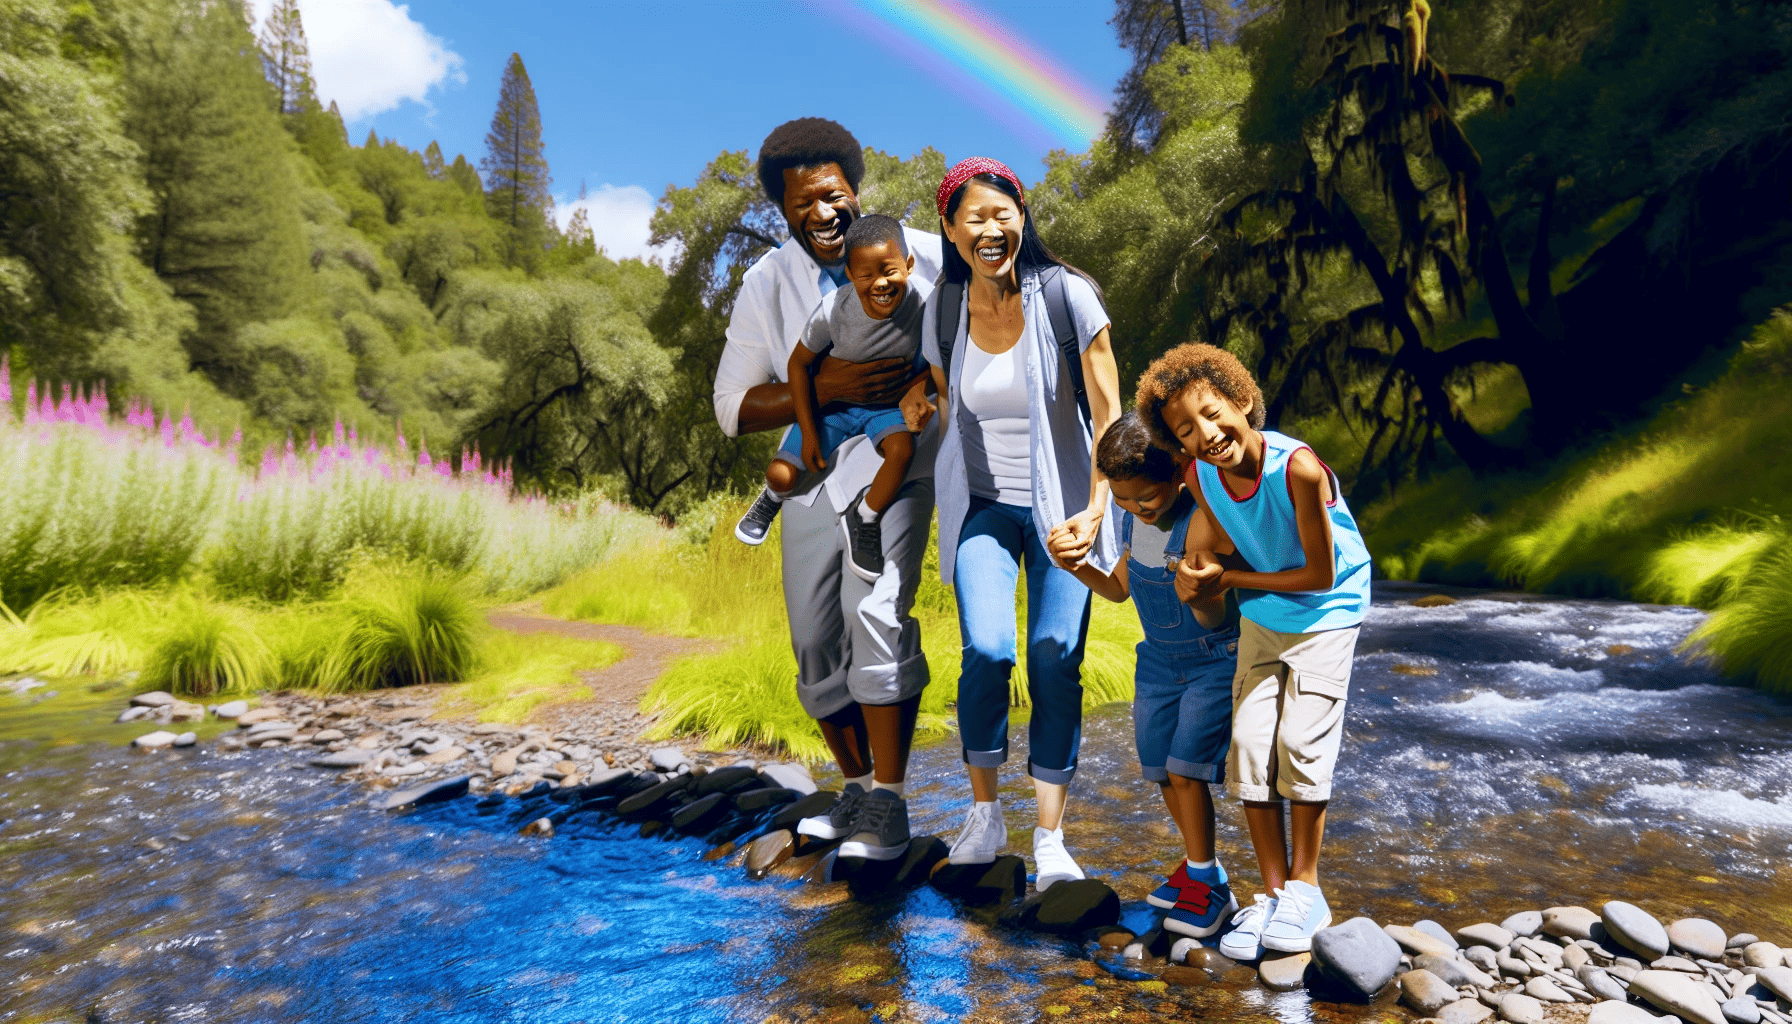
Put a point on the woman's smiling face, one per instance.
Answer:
(986, 229)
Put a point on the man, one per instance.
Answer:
(860, 670)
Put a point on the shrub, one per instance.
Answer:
(68, 635)
(1751, 635)
(403, 627)
(205, 648)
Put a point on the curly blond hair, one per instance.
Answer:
(1187, 366)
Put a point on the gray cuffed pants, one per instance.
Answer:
(855, 642)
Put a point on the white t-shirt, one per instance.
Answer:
(997, 452)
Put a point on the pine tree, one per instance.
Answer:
(432, 161)
(465, 175)
(287, 58)
(515, 169)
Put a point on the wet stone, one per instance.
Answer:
(1519, 1008)
(1282, 972)
(427, 793)
(1635, 929)
(1072, 907)
(984, 884)
(1525, 922)
(1697, 937)
(1185, 977)
(1209, 959)
(1574, 922)
(540, 828)
(153, 740)
(758, 800)
(1679, 995)
(1357, 954)
(1425, 992)
(769, 851)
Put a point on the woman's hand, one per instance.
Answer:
(875, 383)
(1080, 532)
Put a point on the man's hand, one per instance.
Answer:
(812, 452)
(916, 409)
(876, 383)
(1199, 579)
(1080, 532)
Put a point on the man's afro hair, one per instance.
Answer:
(808, 142)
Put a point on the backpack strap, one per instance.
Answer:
(949, 300)
(1057, 306)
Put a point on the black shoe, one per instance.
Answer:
(882, 830)
(840, 820)
(864, 542)
(753, 526)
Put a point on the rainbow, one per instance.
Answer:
(953, 38)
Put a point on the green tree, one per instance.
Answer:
(1148, 29)
(287, 58)
(514, 168)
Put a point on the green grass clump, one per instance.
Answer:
(69, 635)
(204, 648)
(516, 674)
(403, 627)
(1751, 634)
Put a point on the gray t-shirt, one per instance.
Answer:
(839, 323)
(1149, 540)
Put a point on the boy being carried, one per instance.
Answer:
(1182, 704)
(879, 317)
(1267, 496)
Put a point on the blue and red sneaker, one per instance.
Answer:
(1203, 909)
(1166, 895)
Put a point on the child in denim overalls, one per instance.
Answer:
(1182, 704)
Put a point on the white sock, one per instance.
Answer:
(894, 787)
(997, 802)
(864, 782)
(865, 512)
(777, 496)
(1193, 863)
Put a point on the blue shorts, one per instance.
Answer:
(1182, 707)
(874, 421)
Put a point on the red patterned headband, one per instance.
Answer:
(965, 170)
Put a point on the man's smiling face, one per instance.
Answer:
(819, 205)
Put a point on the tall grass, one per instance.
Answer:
(1751, 635)
(402, 628)
(98, 502)
(205, 648)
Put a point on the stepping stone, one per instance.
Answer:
(807, 807)
(1283, 972)
(789, 776)
(909, 871)
(1519, 1008)
(1425, 993)
(648, 802)
(1697, 937)
(1357, 954)
(1184, 977)
(1525, 922)
(1418, 943)
(758, 800)
(1678, 994)
(728, 780)
(1438, 932)
(983, 884)
(1635, 929)
(353, 757)
(1465, 1011)
(1485, 934)
(427, 793)
(701, 814)
(1615, 1012)
(1071, 908)
(1573, 922)
(769, 851)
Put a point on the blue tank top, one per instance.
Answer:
(1262, 524)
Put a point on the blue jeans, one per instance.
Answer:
(995, 541)
(874, 421)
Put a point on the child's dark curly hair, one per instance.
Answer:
(1184, 367)
(808, 142)
(1126, 452)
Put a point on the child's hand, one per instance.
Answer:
(1199, 579)
(916, 409)
(812, 453)
(1061, 544)
(1082, 528)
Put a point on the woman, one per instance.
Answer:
(1016, 462)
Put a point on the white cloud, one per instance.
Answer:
(620, 221)
(369, 56)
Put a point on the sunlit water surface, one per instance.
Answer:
(1503, 753)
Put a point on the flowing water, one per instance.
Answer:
(1504, 752)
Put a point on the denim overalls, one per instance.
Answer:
(1182, 703)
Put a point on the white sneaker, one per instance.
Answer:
(1245, 940)
(1300, 911)
(1053, 862)
(984, 834)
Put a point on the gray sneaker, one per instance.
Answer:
(882, 831)
(840, 820)
(753, 526)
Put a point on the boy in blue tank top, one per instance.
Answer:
(1182, 686)
(1267, 497)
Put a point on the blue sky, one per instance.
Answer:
(638, 96)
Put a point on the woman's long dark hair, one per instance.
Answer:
(1033, 254)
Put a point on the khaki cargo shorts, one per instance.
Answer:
(1288, 712)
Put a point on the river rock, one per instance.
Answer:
(1485, 934)
(153, 699)
(1574, 957)
(133, 713)
(254, 715)
(401, 771)
(1574, 922)
(186, 711)
(1635, 929)
(1546, 990)
(1425, 993)
(1511, 966)
(732, 779)
(1482, 957)
(186, 739)
(1282, 972)
(789, 776)
(1525, 922)
(448, 754)
(1358, 954)
(434, 792)
(1520, 1009)
(327, 736)
(153, 740)
(1453, 971)
(1741, 939)
(1464, 1011)
(1777, 980)
(1209, 959)
(231, 709)
(1697, 937)
(1761, 954)
(668, 759)
(273, 731)
(540, 828)
(1418, 943)
(1678, 994)
(809, 806)
(1600, 983)
(353, 757)
(754, 801)
(1616, 1012)
(769, 851)
(1740, 1009)
(1676, 963)
(1438, 932)
(1072, 907)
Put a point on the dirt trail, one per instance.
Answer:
(623, 683)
